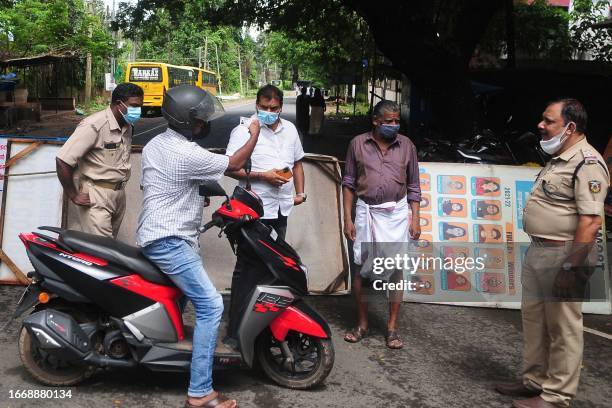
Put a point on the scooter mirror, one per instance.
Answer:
(212, 189)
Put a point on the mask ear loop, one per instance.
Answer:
(563, 137)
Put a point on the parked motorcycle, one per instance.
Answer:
(100, 303)
(487, 147)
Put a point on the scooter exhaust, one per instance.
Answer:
(60, 335)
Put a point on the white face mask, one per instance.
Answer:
(552, 145)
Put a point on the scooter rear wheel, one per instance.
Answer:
(47, 369)
(313, 359)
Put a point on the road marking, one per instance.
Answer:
(150, 129)
(598, 333)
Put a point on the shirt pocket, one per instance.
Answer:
(113, 150)
(396, 171)
(557, 187)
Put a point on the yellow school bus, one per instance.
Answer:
(207, 80)
(157, 77)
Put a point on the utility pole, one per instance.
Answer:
(205, 52)
(240, 71)
(199, 57)
(88, 63)
(218, 71)
(114, 35)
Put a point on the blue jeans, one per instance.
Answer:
(183, 265)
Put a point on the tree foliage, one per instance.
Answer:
(312, 46)
(38, 26)
(586, 41)
(551, 33)
(178, 34)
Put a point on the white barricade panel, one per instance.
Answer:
(31, 201)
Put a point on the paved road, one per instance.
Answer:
(147, 128)
(452, 358)
(330, 144)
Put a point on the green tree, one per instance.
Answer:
(541, 32)
(585, 40)
(166, 36)
(431, 41)
(39, 26)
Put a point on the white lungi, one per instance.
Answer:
(384, 223)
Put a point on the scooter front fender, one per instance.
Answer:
(300, 318)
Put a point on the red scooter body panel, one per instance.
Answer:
(238, 210)
(28, 239)
(165, 295)
(296, 320)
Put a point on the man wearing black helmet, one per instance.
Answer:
(173, 167)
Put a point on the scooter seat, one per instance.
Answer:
(116, 252)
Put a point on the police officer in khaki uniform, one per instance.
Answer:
(99, 149)
(563, 218)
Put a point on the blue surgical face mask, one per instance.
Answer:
(267, 118)
(132, 115)
(388, 132)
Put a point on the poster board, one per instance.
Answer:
(477, 210)
(29, 201)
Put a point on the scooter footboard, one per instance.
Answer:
(301, 318)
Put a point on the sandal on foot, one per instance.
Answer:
(393, 340)
(355, 335)
(215, 402)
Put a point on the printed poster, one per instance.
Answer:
(477, 211)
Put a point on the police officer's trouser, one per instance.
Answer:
(552, 330)
(106, 212)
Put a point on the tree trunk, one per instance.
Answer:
(294, 73)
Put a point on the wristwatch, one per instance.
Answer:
(567, 266)
(302, 195)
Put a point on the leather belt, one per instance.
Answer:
(547, 242)
(108, 185)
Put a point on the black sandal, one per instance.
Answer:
(392, 337)
(357, 334)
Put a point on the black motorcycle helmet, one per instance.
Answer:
(184, 104)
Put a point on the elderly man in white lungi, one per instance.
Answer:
(383, 172)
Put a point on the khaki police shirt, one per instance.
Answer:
(100, 148)
(554, 204)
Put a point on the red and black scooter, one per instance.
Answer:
(100, 303)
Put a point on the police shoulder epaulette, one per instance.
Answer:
(589, 158)
(97, 120)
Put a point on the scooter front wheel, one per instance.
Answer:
(313, 359)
